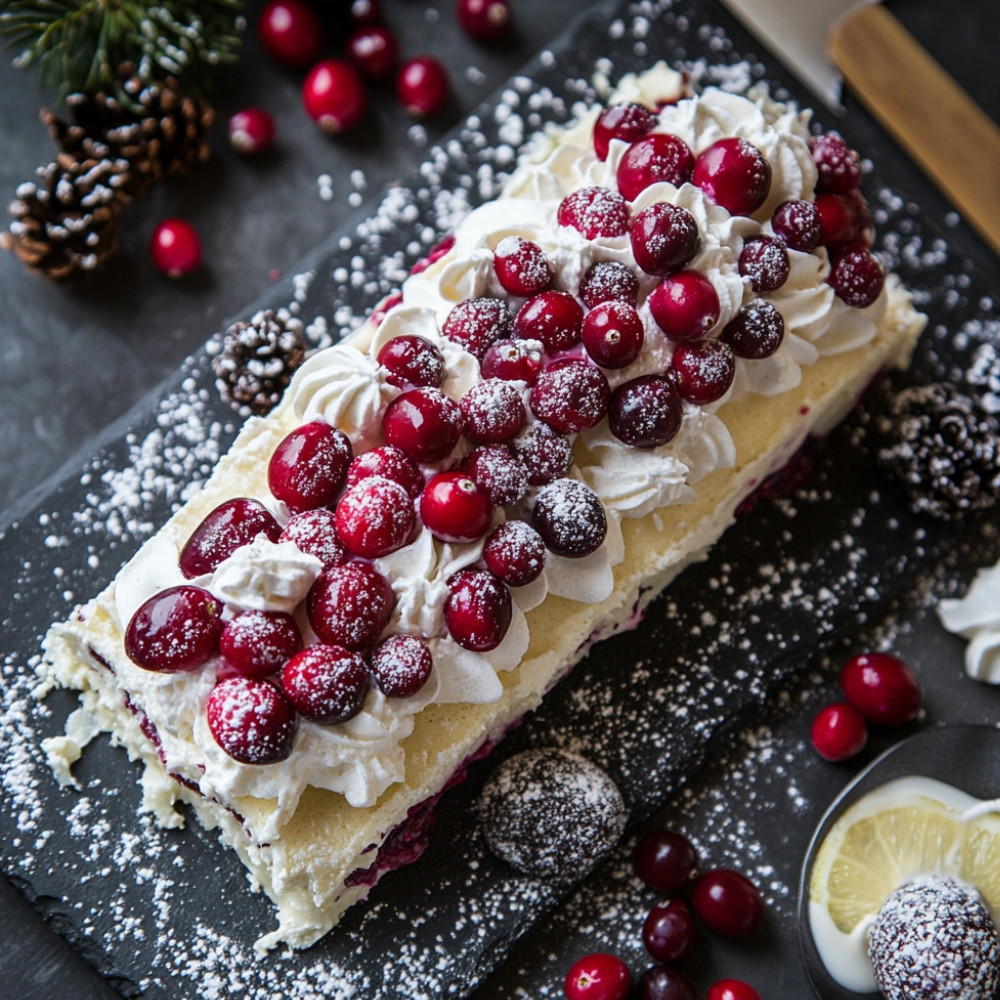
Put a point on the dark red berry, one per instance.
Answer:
(839, 731)
(594, 212)
(703, 372)
(389, 462)
(326, 684)
(857, 278)
(477, 324)
(545, 454)
(477, 611)
(257, 643)
(731, 989)
(334, 96)
(315, 533)
(838, 220)
(865, 235)
(797, 222)
(597, 977)
(660, 157)
(176, 629)
(513, 361)
(552, 318)
(493, 411)
(645, 412)
(522, 267)
(251, 131)
(609, 280)
(882, 688)
(756, 331)
(175, 248)
(424, 423)
(515, 552)
(727, 902)
(365, 13)
(350, 605)
(400, 665)
(422, 86)
(231, 525)
(685, 306)
(765, 262)
(665, 982)
(251, 720)
(627, 122)
(455, 508)
(308, 466)
(375, 517)
(374, 51)
(411, 361)
(734, 174)
(290, 32)
(570, 395)
(838, 166)
(664, 238)
(613, 334)
(570, 518)
(665, 860)
(498, 471)
(669, 931)
(484, 20)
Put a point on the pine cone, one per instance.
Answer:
(258, 360)
(67, 224)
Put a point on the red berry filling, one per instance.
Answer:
(570, 395)
(515, 552)
(734, 174)
(664, 238)
(455, 508)
(251, 720)
(595, 212)
(176, 629)
(308, 467)
(522, 268)
(570, 518)
(257, 643)
(400, 665)
(350, 605)
(477, 324)
(231, 525)
(375, 517)
(424, 424)
(659, 157)
(412, 361)
(478, 610)
(326, 683)
(627, 122)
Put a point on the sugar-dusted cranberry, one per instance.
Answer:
(290, 32)
(326, 683)
(315, 533)
(838, 220)
(570, 395)
(251, 131)
(484, 20)
(658, 157)
(613, 334)
(251, 720)
(176, 629)
(764, 261)
(423, 423)
(422, 85)
(400, 665)
(308, 466)
(570, 518)
(229, 526)
(703, 372)
(664, 238)
(493, 411)
(882, 688)
(455, 508)
(669, 931)
(609, 280)
(515, 552)
(334, 96)
(665, 860)
(839, 731)
(390, 462)
(626, 121)
(522, 267)
(645, 412)
(477, 324)
(727, 902)
(731, 989)
(685, 306)
(374, 51)
(594, 212)
(838, 166)
(498, 471)
(598, 977)
(256, 643)
(857, 278)
(375, 517)
(756, 331)
(545, 454)
(349, 605)
(552, 318)
(735, 174)
(513, 361)
(665, 982)
(797, 222)
(412, 360)
(478, 610)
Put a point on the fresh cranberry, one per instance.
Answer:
(400, 665)
(665, 860)
(664, 982)
(545, 454)
(251, 131)
(838, 220)
(365, 13)
(256, 643)
(727, 902)
(493, 411)
(522, 268)
(349, 605)
(477, 611)
(552, 318)
(308, 466)
(609, 280)
(838, 166)
(411, 361)
(251, 720)
(515, 552)
(570, 518)
(857, 278)
(685, 306)
(660, 157)
(374, 51)
(664, 238)
(597, 977)
(176, 629)
(175, 248)
(731, 989)
(756, 331)
(595, 212)
(422, 86)
(455, 508)
(498, 470)
(326, 684)
(570, 395)
(334, 96)
(882, 688)
(389, 462)
(613, 334)
(734, 174)
(627, 122)
(513, 361)
(423, 423)
(477, 324)
(375, 517)
(290, 33)
(797, 222)
(703, 372)
(764, 261)
(669, 931)
(839, 731)
(484, 20)
(645, 412)
(865, 234)
(315, 533)
(231, 525)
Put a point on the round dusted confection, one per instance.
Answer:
(257, 361)
(934, 938)
(945, 449)
(551, 814)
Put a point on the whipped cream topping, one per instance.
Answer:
(976, 617)
(265, 576)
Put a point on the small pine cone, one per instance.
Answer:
(257, 361)
(66, 224)
(945, 449)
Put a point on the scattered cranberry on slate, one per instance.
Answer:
(334, 96)
(669, 931)
(499, 471)
(756, 331)
(375, 517)
(570, 518)
(326, 683)
(513, 361)
(455, 508)
(658, 157)
(251, 720)
(594, 212)
(797, 222)
(727, 902)
(626, 121)
(423, 423)
(664, 982)
(685, 306)
(570, 395)
(257, 643)
(350, 605)
(251, 131)
(764, 260)
(390, 462)
(609, 280)
(522, 268)
(222, 531)
(374, 51)
(882, 688)
(664, 238)
(645, 412)
(665, 860)
(734, 174)
(613, 334)
(400, 665)
(838, 166)
(553, 318)
(484, 20)
(703, 372)
(315, 533)
(857, 278)
(176, 629)
(731, 989)
(478, 610)
(410, 361)
(422, 86)
(477, 324)
(839, 732)
(597, 977)
(290, 32)
(515, 552)
(309, 465)
(175, 248)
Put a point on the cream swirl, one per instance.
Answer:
(976, 617)
(265, 576)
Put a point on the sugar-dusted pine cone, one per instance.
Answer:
(257, 361)
(66, 224)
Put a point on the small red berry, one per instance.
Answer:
(222, 531)
(857, 278)
(515, 552)
(412, 360)
(257, 643)
(727, 902)
(838, 220)
(597, 977)
(326, 684)
(669, 931)
(334, 96)
(645, 412)
(478, 610)
(756, 331)
(553, 318)
(477, 324)
(664, 238)
(609, 280)
(545, 454)
(315, 532)
(839, 732)
(484, 20)
(350, 605)
(660, 157)
(703, 371)
(175, 248)
(513, 361)
(400, 665)
(797, 222)
(422, 86)
(734, 174)
(251, 720)
(308, 466)
(499, 471)
(685, 306)
(374, 51)
(731, 989)
(666, 982)
(522, 267)
(365, 13)
(838, 165)
(493, 410)
(570, 518)
(882, 688)
(764, 260)
(613, 334)
(627, 122)
(665, 860)
(423, 423)
(176, 629)
(290, 32)
(594, 212)
(375, 517)
(455, 508)
(389, 462)
(251, 131)
(570, 395)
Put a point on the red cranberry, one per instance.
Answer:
(731, 989)
(424, 423)
(552, 318)
(645, 412)
(175, 248)
(857, 278)
(727, 902)
(349, 605)
(613, 334)
(594, 212)
(865, 235)
(660, 157)
(400, 665)
(609, 280)
(669, 931)
(256, 643)
(493, 411)
(326, 684)
(515, 552)
(703, 372)
(455, 508)
(251, 720)
(664, 982)
(365, 13)
(176, 629)
(290, 33)
(522, 268)
(231, 525)
(513, 361)
(251, 131)
(797, 222)
(315, 533)
(499, 472)
(627, 122)
(570, 395)
(665, 860)
(389, 462)
(664, 238)
(484, 20)
(838, 165)
(734, 174)
(570, 518)
(477, 324)
(545, 454)
(422, 86)
(756, 331)
(882, 688)
(765, 262)
(838, 220)
(308, 467)
(374, 51)
(375, 517)
(597, 977)
(412, 360)
(334, 96)
(685, 306)
(477, 611)
(839, 731)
